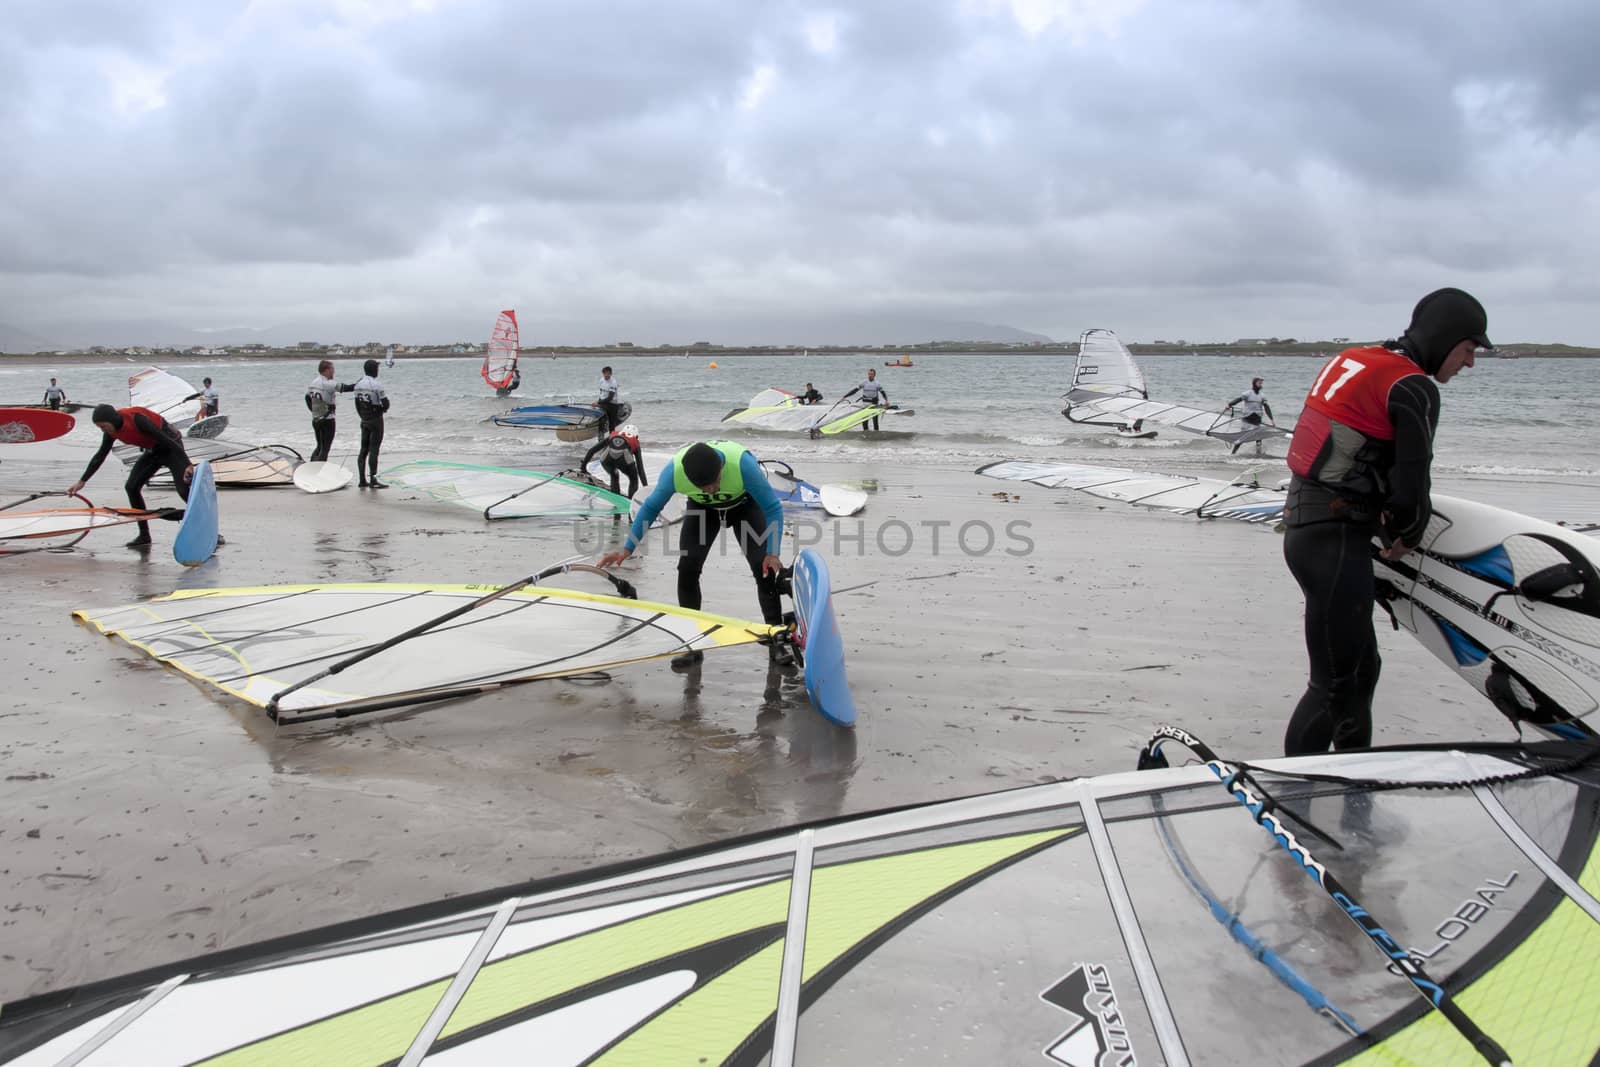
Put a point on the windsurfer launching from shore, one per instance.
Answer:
(1255, 405)
(810, 396)
(210, 399)
(725, 487)
(874, 394)
(1361, 458)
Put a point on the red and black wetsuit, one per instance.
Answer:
(160, 445)
(630, 462)
(1361, 458)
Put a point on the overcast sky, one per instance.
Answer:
(1173, 168)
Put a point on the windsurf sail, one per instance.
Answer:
(1105, 368)
(29, 530)
(167, 395)
(500, 358)
(262, 644)
(239, 466)
(774, 409)
(1079, 942)
(388, 356)
(506, 493)
(1207, 498)
(1108, 389)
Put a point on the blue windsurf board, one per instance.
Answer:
(197, 535)
(817, 634)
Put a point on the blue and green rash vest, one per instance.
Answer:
(742, 476)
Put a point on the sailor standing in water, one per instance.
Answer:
(210, 399)
(726, 488)
(371, 403)
(608, 401)
(55, 396)
(621, 456)
(873, 392)
(1255, 405)
(321, 397)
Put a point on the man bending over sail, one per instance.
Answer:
(160, 446)
(621, 456)
(725, 487)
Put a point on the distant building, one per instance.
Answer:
(308, 346)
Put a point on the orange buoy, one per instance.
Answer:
(713, 365)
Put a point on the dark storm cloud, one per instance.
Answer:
(1201, 168)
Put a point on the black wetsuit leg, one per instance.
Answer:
(701, 525)
(617, 468)
(1332, 561)
(608, 417)
(695, 536)
(371, 441)
(324, 429)
(144, 468)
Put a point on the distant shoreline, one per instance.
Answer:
(1308, 350)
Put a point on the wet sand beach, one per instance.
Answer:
(149, 819)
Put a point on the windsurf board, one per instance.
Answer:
(197, 535)
(817, 635)
(321, 476)
(21, 426)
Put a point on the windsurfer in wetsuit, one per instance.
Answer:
(611, 416)
(621, 456)
(321, 397)
(160, 446)
(371, 403)
(1255, 405)
(873, 393)
(725, 487)
(55, 396)
(1361, 458)
(810, 396)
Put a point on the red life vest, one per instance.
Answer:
(1352, 390)
(129, 434)
(632, 440)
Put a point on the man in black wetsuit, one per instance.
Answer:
(160, 445)
(621, 456)
(810, 396)
(1361, 458)
(371, 404)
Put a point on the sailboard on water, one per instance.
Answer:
(500, 357)
(780, 411)
(1055, 923)
(41, 529)
(507, 493)
(1108, 389)
(310, 652)
(1105, 370)
(170, 396)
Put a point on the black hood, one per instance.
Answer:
(1441, 320)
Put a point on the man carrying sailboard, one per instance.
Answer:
(160, 446)
(621, 456)
(725, 487)
(873, 393)
(1361, 457)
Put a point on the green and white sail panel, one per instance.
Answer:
(1246, 499)
(1065, 924)
(774, 409)
(255, 643)
(506, 493)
